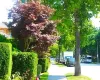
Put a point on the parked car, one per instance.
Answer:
(70, 62)
(86, 59)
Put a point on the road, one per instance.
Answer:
(90, 70)
(87, 69)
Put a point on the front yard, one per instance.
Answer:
(70, 76)
(44, 76)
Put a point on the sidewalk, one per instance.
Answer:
(56, 73)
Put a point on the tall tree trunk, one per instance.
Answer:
(77, 53)
(77, 45)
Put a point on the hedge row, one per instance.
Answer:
(39, 70)
(44, 62)
(26, 64)
(5, 60)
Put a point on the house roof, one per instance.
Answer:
(2, 25)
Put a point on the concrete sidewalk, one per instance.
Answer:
(56, 73)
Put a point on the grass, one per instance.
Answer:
(59, 64)
(71, 76)
(44, 76)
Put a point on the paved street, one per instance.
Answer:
(87, 69)
(90, 70)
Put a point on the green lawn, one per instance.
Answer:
(70, 76)
(44, 76)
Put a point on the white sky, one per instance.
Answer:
(4, 6)
(96, 21)
(7, 4)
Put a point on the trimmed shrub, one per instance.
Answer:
(26, 64)
(14, 42)
(44, 62)
(3, 38)
(39, 69)
(48, 63)
(5, 60)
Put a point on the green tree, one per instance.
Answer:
(98, 45)
(54, 50)
(90, 46)
(75, 12)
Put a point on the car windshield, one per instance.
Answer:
(72, 59)
(67, 57)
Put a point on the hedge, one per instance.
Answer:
(44, 62)
(3, 38)
(5, 60)
(39, 69)
(26, 64)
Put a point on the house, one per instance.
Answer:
(4, 30)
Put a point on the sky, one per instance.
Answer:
(4, 6)
(7, 4)
(96, 22)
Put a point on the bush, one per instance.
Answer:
(14, 42)
(3, 38)
(26, 64)
(45, 63)
(5, 60)
(39, 69)
(48, 63)
(16, 76)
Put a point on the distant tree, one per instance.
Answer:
(32, 27)
(54, 50)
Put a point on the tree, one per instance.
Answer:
(91, 47)
(97, 40)
(54, 50)
(32, 27)
(76, 12)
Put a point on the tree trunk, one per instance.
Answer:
(59, 53)
(77, 53)
(77, 45)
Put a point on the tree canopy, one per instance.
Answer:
(32, 27)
